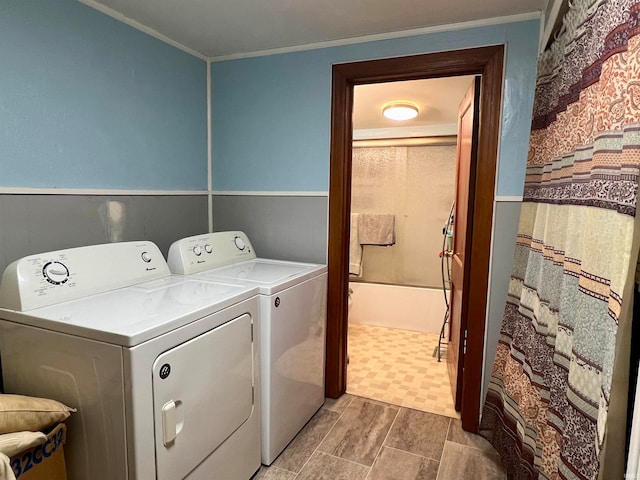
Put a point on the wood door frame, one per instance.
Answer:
(486, 61)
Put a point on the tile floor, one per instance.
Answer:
(354, 438)
(398, 367)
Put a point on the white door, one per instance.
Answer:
(202, 392)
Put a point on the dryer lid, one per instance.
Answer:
(59, 276)
(132, 315)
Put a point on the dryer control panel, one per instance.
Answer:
(59, 276)
(210, 250)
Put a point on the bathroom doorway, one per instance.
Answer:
(485, 61)
(402, 188)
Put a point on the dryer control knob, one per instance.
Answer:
(197, 250)
(146, 257)
(208, 248)
(56, 273)
(239, 243)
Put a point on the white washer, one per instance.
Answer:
(163, 370)
(293, 306)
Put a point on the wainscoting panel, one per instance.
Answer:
(32, 224)
(280, 227)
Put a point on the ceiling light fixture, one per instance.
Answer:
(400, 110)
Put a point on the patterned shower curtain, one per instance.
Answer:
(560, 343)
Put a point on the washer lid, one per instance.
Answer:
(132, 315)
(270, 276)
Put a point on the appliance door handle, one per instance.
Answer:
(169, 424)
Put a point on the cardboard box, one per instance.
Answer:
(44, 462)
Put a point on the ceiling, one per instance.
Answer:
(437, 100)
(216, 28)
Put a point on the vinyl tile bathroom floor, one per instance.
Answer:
(398, 367)
(355, 438)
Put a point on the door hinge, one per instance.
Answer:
(464, 342)
(251, 332)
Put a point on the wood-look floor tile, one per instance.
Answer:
(360, 431)
(419, 432)
(273, 473)
(304, 444)
(327, 467)
(338, 405)
(394, 464)
(460, 461)
(458, 435)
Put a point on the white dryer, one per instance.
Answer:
(164, 370)
(293, 309)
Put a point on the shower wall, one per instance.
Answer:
(417, 184)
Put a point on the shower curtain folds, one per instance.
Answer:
(563, 348)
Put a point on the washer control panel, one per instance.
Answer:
(55, 272)
(59, 276)
(210, 250)
(239, 243)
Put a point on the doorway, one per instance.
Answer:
(402, 190)
(485, 61)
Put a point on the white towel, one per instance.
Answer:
(377, 229)
(355, 249)
(12, 444)
(6, 472)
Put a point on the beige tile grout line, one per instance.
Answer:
(411, 453)
(443, 447)
(346, 460)
(383, 442)
(325, 436)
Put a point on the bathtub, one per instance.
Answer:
(397, 306)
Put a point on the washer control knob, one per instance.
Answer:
(240, 245)
(56, 273)
(208, 248)
(146, 257)
(197, 250)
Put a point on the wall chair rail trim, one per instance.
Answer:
(268, 193)
(95, 191)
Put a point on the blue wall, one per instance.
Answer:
(89, 102)
(271, 114)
